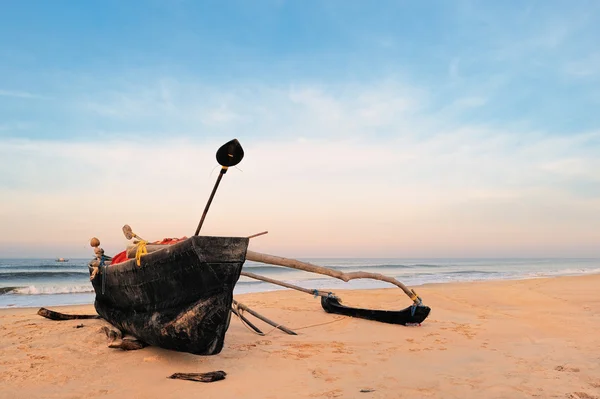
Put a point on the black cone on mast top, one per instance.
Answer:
(230, 154)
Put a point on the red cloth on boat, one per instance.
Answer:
(169, 241)
(118, 258)
(122, 256)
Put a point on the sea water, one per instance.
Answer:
(45, 282)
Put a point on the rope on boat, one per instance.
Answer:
(320, 324)
(102, 267)
(240, 312)
(141, 250)
(141, 244)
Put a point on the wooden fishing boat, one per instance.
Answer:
(178, 297)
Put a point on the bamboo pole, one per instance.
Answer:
(245, 308)
(309, 267)
(258, 234)
(212, 195)
(283, 284)
(245, 320)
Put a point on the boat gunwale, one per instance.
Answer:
(125, 281)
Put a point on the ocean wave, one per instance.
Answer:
(262, 268)
(252, 282)
(46, 290)
(386, 266)
(40, 267)
(451, 273)
(32, 275)
(7, 290)
(564, 272)
(32, 270)
(268, 269)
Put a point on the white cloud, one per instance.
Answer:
(7, 127)
(585, 67)
(329, 171)
(19, 94)
(316, 197)
(470, 102)
(453, 69)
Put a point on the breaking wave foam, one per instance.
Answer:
(50, 290)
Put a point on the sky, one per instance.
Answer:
(371, 129)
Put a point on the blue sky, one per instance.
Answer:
(473, 119)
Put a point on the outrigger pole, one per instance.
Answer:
(240, 306)
(412, 315)
(309, 267)
(284, 284)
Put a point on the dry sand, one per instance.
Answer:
(506, 339)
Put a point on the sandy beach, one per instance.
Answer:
(502, 339)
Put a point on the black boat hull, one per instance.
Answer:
(179, 297)
(408, 316)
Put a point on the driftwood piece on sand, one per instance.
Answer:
(52, 315)
(201, 377)
(128, 345)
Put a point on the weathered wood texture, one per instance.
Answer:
(284, 284)
(132, 249)
(200, 377)
(179, 298)
(112, 334)
(52, 315)
(246, 321)
(411, 315)
(309, 267)
(241, 306)
(331, 304)
(258, 234)
(128, 345)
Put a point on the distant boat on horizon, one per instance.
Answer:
(62, 260)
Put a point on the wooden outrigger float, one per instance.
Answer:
(414, 314)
